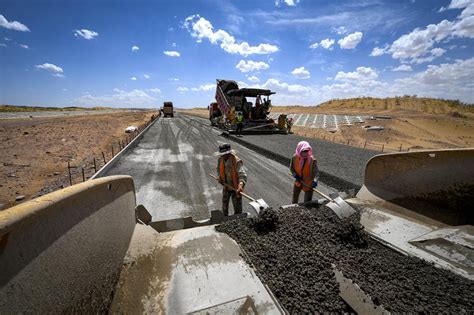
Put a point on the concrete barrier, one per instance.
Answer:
(62, 252)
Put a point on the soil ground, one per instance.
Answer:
(407, 129)
(293, 251)
(34, 152)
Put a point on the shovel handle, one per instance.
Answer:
(315, 190)
(232, 188)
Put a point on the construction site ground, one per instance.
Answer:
(34, 151)
(409, 129)
(172, 163)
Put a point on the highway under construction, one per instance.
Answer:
(146, 234)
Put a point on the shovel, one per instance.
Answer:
(341, 208)
(257, 205)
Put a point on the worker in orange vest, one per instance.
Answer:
(304, 168)
(231, 171)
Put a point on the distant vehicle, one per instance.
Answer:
(168, 109)
(214, 113)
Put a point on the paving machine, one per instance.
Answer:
(230, 99)
(89, 248)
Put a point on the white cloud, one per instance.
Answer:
(290, 3)
(378, 51)
(133, 78)
(402, 68)
(204, 87)
(56, 70)
(120, 98)
(174, 79)
(173, 44)
(172, 53)
(350, 41)
(301, 73)
(325, 43)
(361, 74)
(24, 46)
(452, 81)
(253, 79)
(250, 65)
(341, 30)
(3, 45)
(154, 90)
(86, 34)
(14, 25)
(417, 46)
(135, 48)
(146, 76)
(201, 28)
(7, 39)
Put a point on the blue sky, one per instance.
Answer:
(141, 53)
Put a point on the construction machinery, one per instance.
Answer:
(168, 109)
(230, 99)
(89, 248)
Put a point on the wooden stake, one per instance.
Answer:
(103, 156)
(83, 176)
(113, 151)
(400, 148)
(382, 147)
(365, 144)
(95, 166)
(69, 171)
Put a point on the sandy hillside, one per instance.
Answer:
(34, 152)
(416, 123)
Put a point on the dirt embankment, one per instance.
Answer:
(34, 152)
(293, 251)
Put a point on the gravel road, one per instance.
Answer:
(16, 115)
(171, 167)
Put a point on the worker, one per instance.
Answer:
(304, 168)
(240, 124)
(289, 124)
(231, 171)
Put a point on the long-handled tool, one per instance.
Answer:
(341, 208)
(257, 205)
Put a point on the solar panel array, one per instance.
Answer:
(322, 120)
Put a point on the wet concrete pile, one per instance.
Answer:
(295, 253)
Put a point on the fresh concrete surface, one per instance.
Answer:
(171, 165)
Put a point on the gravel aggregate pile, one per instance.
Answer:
(293, 250)
(336, 160)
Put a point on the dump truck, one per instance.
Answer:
(90, 248)
(230, 99)
(168, 109)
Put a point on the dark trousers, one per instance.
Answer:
(236, 202)
(238, 131)
(308, 195)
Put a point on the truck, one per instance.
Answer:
(230, 99)
(168, 109)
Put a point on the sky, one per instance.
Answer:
(141, 53)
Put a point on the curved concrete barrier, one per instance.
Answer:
(435, 183)
(62, 252)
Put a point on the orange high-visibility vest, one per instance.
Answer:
(307, 173)
(235, 175)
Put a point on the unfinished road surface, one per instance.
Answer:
(171, 166)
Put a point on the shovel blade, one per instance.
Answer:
(258, 205)
(341, 208)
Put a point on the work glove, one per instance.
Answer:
(314, 184)
(298, 178)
